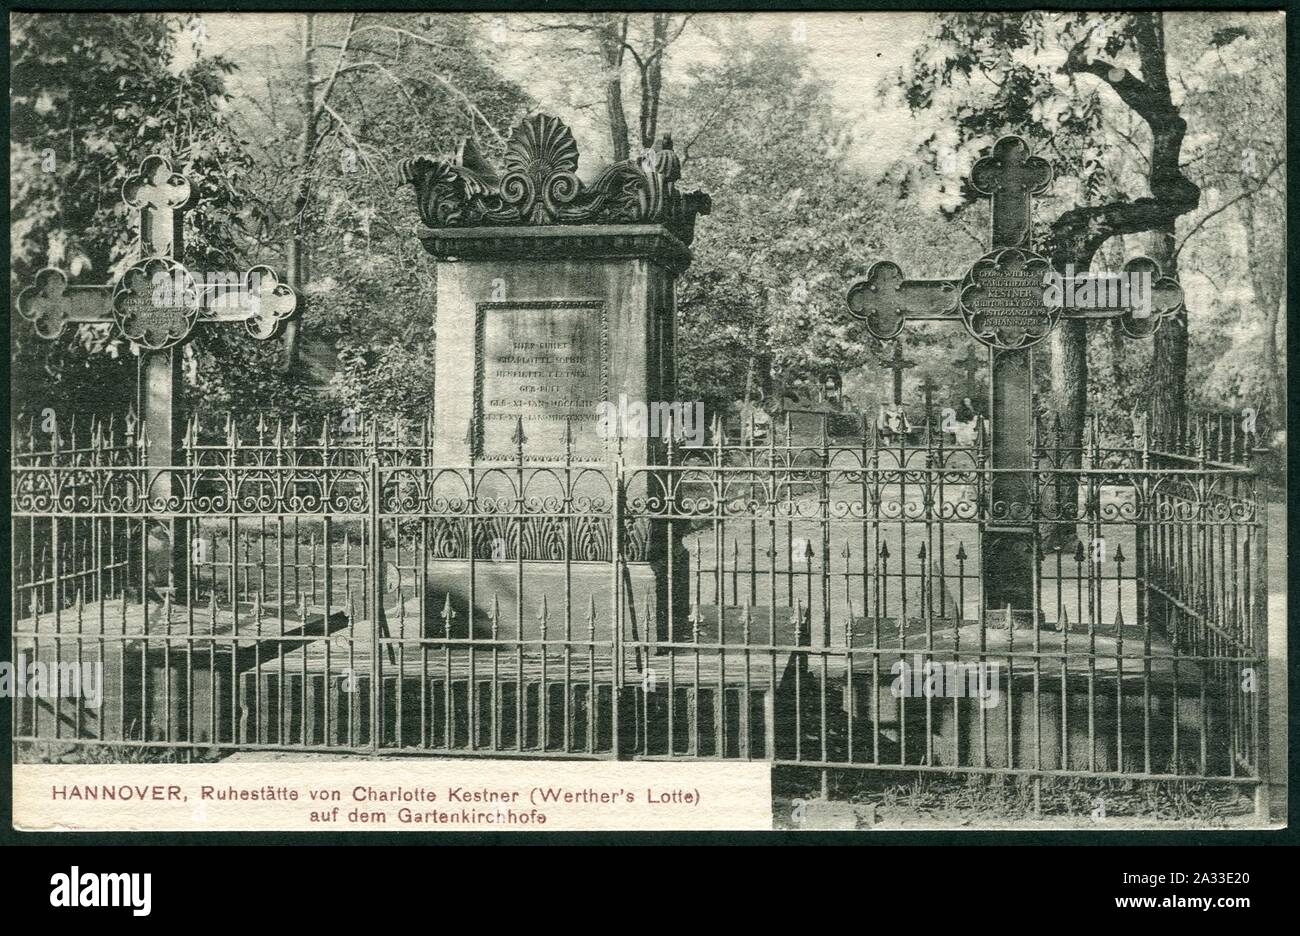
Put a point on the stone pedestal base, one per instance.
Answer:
(577, 604)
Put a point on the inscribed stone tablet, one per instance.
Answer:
(544, 362)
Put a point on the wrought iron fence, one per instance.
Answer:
(813, 605)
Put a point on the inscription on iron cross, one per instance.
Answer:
(1009, 300)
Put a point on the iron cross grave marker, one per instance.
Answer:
(1009, 300)
(155, 305)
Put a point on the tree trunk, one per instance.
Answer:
(1265, 283)
(1276, 412)
(1069, 404)
(652, 81)
(610, 36)
(1168, 391)
(297, 246)
(1078, 233)
(1069, 374)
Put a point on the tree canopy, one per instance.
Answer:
(1165, 132)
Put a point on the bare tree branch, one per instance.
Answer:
(1247, 193)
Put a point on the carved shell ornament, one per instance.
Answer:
(539, 185)
(541, 169)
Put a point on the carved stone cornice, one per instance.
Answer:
(580, 241)
(539, 187)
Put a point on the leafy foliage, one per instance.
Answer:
(796, 215)
(399, 85)
(91, 99)
(762, 308)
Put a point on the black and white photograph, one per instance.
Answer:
(640, 420)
